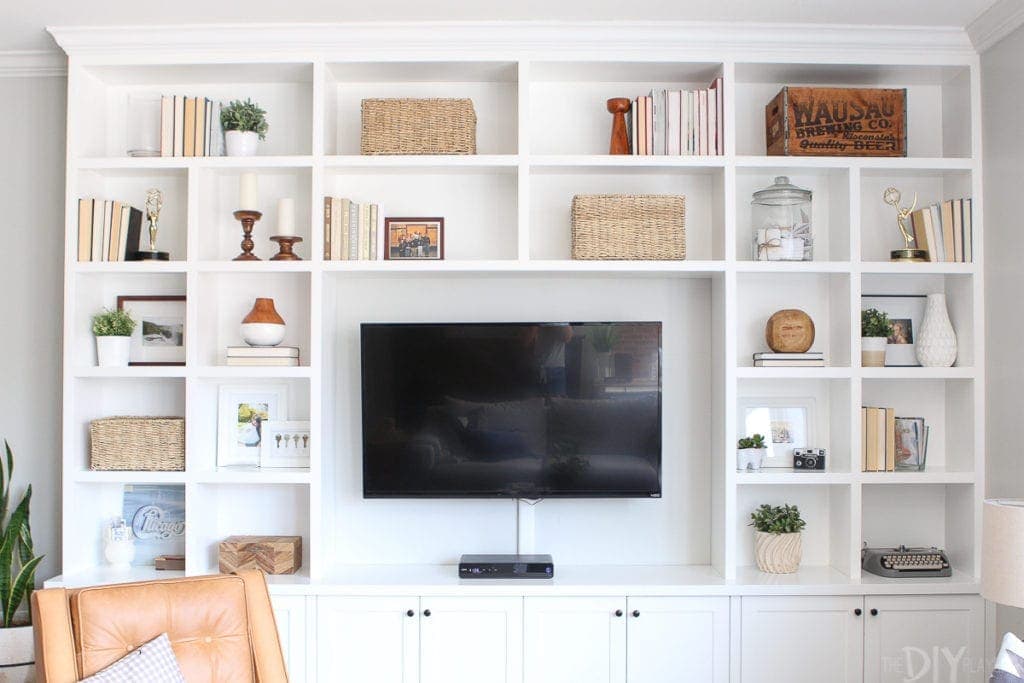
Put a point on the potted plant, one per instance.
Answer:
(603, 339)
(18, 565)
(777, 539)
(113, 330)
(750, 451)
(875, 330)
(244, 123)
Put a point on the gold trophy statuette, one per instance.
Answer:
(154, 203)
(892, 197)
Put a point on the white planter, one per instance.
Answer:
(112, 352)
(778, 553)
(239, 143)
(750, 458)
(936, 343)
(262, 334)
(872, 351)
(17, 655)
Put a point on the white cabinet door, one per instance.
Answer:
(802, 639)
(574, 639)
(678, 639)
(290, 615)
(933, 638)
(471, 640)
(367, 639)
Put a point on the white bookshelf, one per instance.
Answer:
(542, 137)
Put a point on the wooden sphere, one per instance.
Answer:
(789, 331)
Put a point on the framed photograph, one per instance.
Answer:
(785, 423)
(241, 414)
(906, 313)
(911, 444)
(414, 239)
(285, 443)
(159, 336)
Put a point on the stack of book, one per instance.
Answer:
(190, 127)
(679, 122)
(350, 230)
(811, 359)
(107, 230)
(878, 441)
(945, 231)
(278, 356)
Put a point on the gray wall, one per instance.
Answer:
(32, 118)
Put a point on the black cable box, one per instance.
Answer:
(506, 567)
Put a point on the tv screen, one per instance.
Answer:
(513, 410)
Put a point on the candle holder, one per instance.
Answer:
(284, 248)
(248, 220)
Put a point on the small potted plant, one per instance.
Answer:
(750, 451)
(244, 124)
(113, 330)
(875, 330)
(18, 565)
(777, 538)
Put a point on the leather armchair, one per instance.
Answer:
(221, 627)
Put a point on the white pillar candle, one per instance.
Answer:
(248, 195)
(286, 216)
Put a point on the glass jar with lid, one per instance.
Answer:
(781, 217)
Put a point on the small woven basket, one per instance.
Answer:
(418, 126)
(145, 444)
(629, 227)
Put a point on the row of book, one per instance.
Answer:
(891, 443)
(263, 356)
(679, 122)
(190, 127)
(350, 230)
(811, 359)
(107, 230)
(945, 231)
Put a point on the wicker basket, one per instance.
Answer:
(418, 126)
(152, 444)
(629, 227)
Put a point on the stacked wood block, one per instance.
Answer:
(272, 554)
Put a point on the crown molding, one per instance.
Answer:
(32, 64)
(758, 42)
(995, 23)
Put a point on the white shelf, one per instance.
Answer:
(132, 372)
(626, 161)
(254, 475)
(266, 266)
(136, 477)
(765, 477)
(917, 373)
(869, 163)
(130, 267)
(793, 373)
(420, 162)
(97, 576)
(252, 371)
(888, 268)
(783, 267)
(538, 266)
(925, 477)
(149, 163)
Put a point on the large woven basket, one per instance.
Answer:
(629, 227)
(155, 444)
(418, 126)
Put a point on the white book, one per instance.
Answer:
(263, 362)
(674, 113)
(166, 126)
(364, 232)
(691, 121)
(263, 351)
(108, 221)
(633, 128)
(122, 241)
(702, 122)
(353, 231)
(720, 101)
(374, 230)
(336, 228)
(658, 107)
(712, 122)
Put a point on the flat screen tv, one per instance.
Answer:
(511, 410)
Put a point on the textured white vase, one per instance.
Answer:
(241, 143)
(872, 351)
(936, 344)
(750, 458)
(17, 655)
(113, 352)
(778, 553)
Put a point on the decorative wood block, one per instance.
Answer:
(272, 554)
(789, 331)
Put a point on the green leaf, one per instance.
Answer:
(5, 483)
(22, 584)
(25, 548)
(11, 535)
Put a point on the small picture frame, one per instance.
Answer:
(414, 239)
(911, 444)
(241, 413)
(785, 423)
(285, 444)
(906, 312)
(159, 336)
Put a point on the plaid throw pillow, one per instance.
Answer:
(154, 662)
(1009, 661)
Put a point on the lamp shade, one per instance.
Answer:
(1002, 559)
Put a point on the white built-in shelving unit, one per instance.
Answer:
(539, 94)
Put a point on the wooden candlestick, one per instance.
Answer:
(248, 219)
(284, 247)
(618, 106)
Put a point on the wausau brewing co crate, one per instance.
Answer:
(845, 122)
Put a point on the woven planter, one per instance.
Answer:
(629, 227)
(148, 444)
(418, 126)
(778, 553)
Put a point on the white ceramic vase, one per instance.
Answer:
(750, 458)
(17, 655)
(112, 352)
(778, 553)
(119, 554)
(240, 143)
(872, 351)
(936, 343)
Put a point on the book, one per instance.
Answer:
(166, 126)
(263, 361)
(200, 133)
(633, 126)
(353, 231)
(947, 231)
(217, 141)
(940, 238)
(890, 440)
(327, 228)
(179, 123)
(658, 120)
(702, 122)
(674, 118)
(134, 231)
(958, 230)
(871, 441)
(374, 229)
(122, 242)
(880, 445)
(712, 122)
(189, 128)
(719, 89)
(809, 355)
(263, 351)
(863, 439)
(968, 231)
(339, 230)
(649, 130)
(115, 231)
(85, 209)
(809, 363)
(108, 209)
(96, 250)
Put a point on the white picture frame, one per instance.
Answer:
(786, 423)
(906, 312)
(238, 441)
(285, 444)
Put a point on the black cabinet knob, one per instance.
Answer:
(618, 613)
(426, 613)
(874, 612)
(636, 613)
(410, 613)
(858, 611)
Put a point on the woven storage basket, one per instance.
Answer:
(155, 444)
(629, 227)
(418, 126)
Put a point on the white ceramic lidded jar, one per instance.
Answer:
(781, 219)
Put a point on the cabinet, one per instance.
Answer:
(290, 615)
(678, 639)
(368, 639)
(574, 639)
(471, 640)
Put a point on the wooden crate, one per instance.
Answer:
(837, 122)
(272, 554)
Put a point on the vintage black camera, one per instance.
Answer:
(808, 459)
